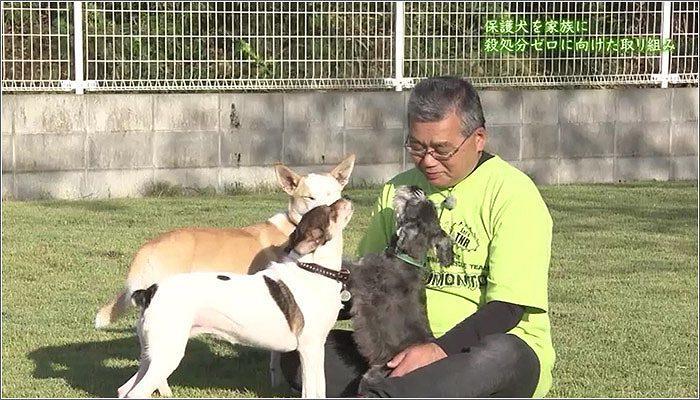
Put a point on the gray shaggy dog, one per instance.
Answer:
(388, 310)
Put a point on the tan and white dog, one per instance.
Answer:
(287, 306)
(238, 250)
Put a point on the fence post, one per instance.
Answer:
(665, 35)
(78, 83)
(398, 45)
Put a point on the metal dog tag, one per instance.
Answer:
(345, 295)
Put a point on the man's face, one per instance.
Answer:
(444, 136)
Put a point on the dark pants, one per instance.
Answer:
(501, 365)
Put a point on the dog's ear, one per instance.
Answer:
(306, 242)
(288, 179)
(409, 240)
(391, 247)
(443, 248)
(311, 232)
(342, 172)
(294, 238)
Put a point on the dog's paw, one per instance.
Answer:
(164, 390)
(372, 377)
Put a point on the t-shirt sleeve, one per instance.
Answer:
(381, 225)
(520, 249)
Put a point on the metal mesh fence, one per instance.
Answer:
(684, 33)
(36, 45)
(208, 45)
(541, 43)
(254, 45)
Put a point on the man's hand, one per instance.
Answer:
(414, 357)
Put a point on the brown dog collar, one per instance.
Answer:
(340, 276)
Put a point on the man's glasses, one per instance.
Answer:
(441, 154)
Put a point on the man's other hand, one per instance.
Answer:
(415, 357)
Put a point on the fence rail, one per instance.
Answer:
(247, 45)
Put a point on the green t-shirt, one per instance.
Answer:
(502, 234)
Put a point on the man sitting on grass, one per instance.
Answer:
(488, 310)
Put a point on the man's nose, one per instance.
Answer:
(428, 161)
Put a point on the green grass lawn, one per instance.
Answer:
(623, 292)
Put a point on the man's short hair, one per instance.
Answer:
(433, 99)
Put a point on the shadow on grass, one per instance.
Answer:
(100, 367)
(657, 220)
(87, 205)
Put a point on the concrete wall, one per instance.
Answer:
(112, 145)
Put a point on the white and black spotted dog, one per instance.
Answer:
(288, 306)
(388, 290)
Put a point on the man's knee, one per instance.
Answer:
(501, 351)
(515, 355)
(502, 344)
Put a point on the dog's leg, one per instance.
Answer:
(143, 362)
(275, 369)
(164, 355)
(126, 387)
(313, 378)
(156, 377)
(113, 310)
(164, 389)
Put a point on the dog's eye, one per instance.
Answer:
(310, 198)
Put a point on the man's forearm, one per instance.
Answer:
(494, 317)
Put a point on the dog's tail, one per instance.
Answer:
(113, 310)
(142, 297)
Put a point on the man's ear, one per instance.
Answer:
(288, 179)
(342, 172)
(481, 137)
